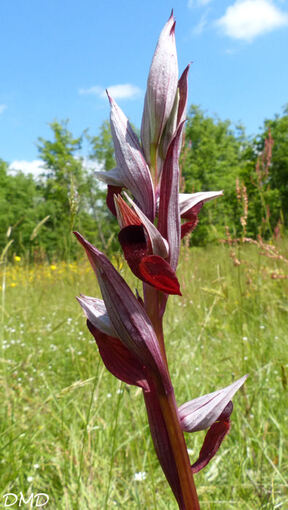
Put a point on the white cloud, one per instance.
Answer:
(92, 165)
(95, 91)
(246, 19)
(197, 3)
(2, 108)
(198, 29)
(34, 167)
(125, 91)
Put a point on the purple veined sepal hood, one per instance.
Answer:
(161, 89)
(132, 171)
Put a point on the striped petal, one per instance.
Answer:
(189, 201)
(134, 171)
(202, 412)
(161, 88)
(96, 313)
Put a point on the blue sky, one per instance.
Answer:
(57, 57)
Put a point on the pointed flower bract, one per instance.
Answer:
(161, 88)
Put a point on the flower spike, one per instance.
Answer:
(128, 328)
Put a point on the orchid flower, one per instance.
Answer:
(142, 245)
(127, 328)
(190, 206)
(211, 411)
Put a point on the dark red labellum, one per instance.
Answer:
(189, 226)
(151, 269)
(214, 438)
(156, 271)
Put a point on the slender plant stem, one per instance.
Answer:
(177, 441)
(169, 409)
(152, 298)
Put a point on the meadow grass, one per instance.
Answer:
(71, 430)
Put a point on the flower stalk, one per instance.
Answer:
(128, 328)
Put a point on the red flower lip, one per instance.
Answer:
(149, 268)
(143, 247)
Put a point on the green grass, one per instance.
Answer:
(71, 430)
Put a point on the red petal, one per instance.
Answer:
(151, 269)
(111, 191)
(118, 360)
(126, 215)
(134, 246)
(212, 442)
(189, 226)
(158, 273)
(189, 215)
(225, 415)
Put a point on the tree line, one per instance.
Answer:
(38, 215)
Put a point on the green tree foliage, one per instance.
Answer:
(63, 185)
(20, 208)
(72, 192)
(275, 184)
(67, 192)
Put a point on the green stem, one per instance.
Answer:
(153, 164)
